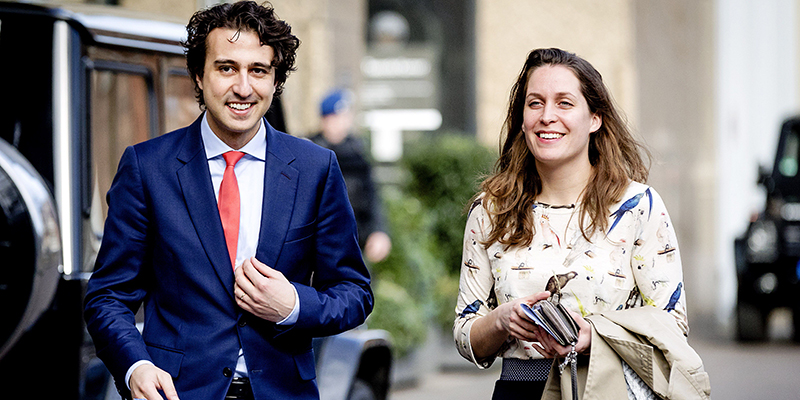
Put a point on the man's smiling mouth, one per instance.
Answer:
(240, 106)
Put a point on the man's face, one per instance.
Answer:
(238, 84)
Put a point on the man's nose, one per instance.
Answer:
(243, 86)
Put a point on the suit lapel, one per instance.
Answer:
(280, 189)
(198, 192)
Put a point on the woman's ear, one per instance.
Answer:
(597, 122)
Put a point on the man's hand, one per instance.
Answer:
(147, 380)
(377, 247)
(263, 291)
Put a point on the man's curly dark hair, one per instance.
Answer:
(243, 16)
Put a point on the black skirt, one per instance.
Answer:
(522, 390)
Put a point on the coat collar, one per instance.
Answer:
(280, 186)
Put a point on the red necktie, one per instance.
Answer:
(229, 203)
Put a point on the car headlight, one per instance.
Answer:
(762, 242)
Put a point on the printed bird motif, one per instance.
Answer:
(474, 204)
(659, 282)
(663, 234)
(633, 298)
(580, 305)
(673, 300)
(580, 247)
(557, 282)
(521, 266)
(471, 309)
(629, 205)
(491, 302)
(550, 236)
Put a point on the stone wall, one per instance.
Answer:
(674, 47)
(507, 30)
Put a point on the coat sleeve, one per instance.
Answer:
(340, 297)
(116, 288)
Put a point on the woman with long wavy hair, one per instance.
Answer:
(566, 213)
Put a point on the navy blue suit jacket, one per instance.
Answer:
(164, 246)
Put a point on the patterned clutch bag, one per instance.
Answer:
(553, 318)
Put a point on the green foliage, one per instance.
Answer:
(400, 314)
(418, 282)
(444, 174)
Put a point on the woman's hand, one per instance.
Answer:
(513, 320)
(550, 348)
(488, 333)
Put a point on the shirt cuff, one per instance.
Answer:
(130, 371)
(291, 319)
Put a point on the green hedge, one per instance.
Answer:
(417, 284)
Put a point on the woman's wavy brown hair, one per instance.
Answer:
(243, 16)
(616, 158)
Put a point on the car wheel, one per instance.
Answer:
(361, 390)
(750, 322)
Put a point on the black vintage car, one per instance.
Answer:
(79, 87)
(768, 254)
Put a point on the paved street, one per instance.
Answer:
(738, 372)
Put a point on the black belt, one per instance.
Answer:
(240, 390)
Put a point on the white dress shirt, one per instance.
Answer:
(249, 173)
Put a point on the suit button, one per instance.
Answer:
(242, 322)
(227, 372)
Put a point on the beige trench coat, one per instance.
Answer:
(651, 343)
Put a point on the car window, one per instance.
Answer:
(180, 105)
(788, 164)
(120, 117)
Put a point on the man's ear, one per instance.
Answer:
(199, 81)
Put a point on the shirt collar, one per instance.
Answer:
(256, 147)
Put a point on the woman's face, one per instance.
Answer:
(557, 122)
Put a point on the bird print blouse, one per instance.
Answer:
(636, 262)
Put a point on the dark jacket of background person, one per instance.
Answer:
(336, 133)
(361, 189)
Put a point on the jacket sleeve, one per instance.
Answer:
(115, 290)
(340, 297)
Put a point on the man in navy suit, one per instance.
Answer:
(238, 239)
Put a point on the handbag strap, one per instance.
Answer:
(572, 360)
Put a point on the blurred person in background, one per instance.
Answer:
(566, 212)
(336, 120)
(217, 229)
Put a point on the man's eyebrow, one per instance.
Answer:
(224, 61)
(262, 65)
